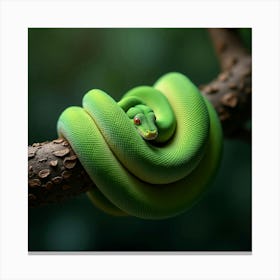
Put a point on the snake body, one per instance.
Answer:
(152, 154)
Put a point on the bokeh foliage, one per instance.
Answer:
(63, 64)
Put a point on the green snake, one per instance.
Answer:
(153, 153)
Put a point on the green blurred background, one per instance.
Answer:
(63, 64)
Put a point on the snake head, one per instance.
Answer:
(144, 121)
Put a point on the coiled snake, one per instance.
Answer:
(153, 153)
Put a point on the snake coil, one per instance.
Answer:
(151, 172)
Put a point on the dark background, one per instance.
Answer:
(63, 64)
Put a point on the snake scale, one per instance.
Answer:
(152, 154)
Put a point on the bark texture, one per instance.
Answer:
(231, 92)
(54, 173)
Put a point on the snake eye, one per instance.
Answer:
(137, 121)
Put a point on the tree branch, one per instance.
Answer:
(231, 92)
(55, 172)
(228, 46)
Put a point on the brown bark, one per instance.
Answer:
(231, 92)
(55, 172)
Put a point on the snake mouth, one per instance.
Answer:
(150, 135)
